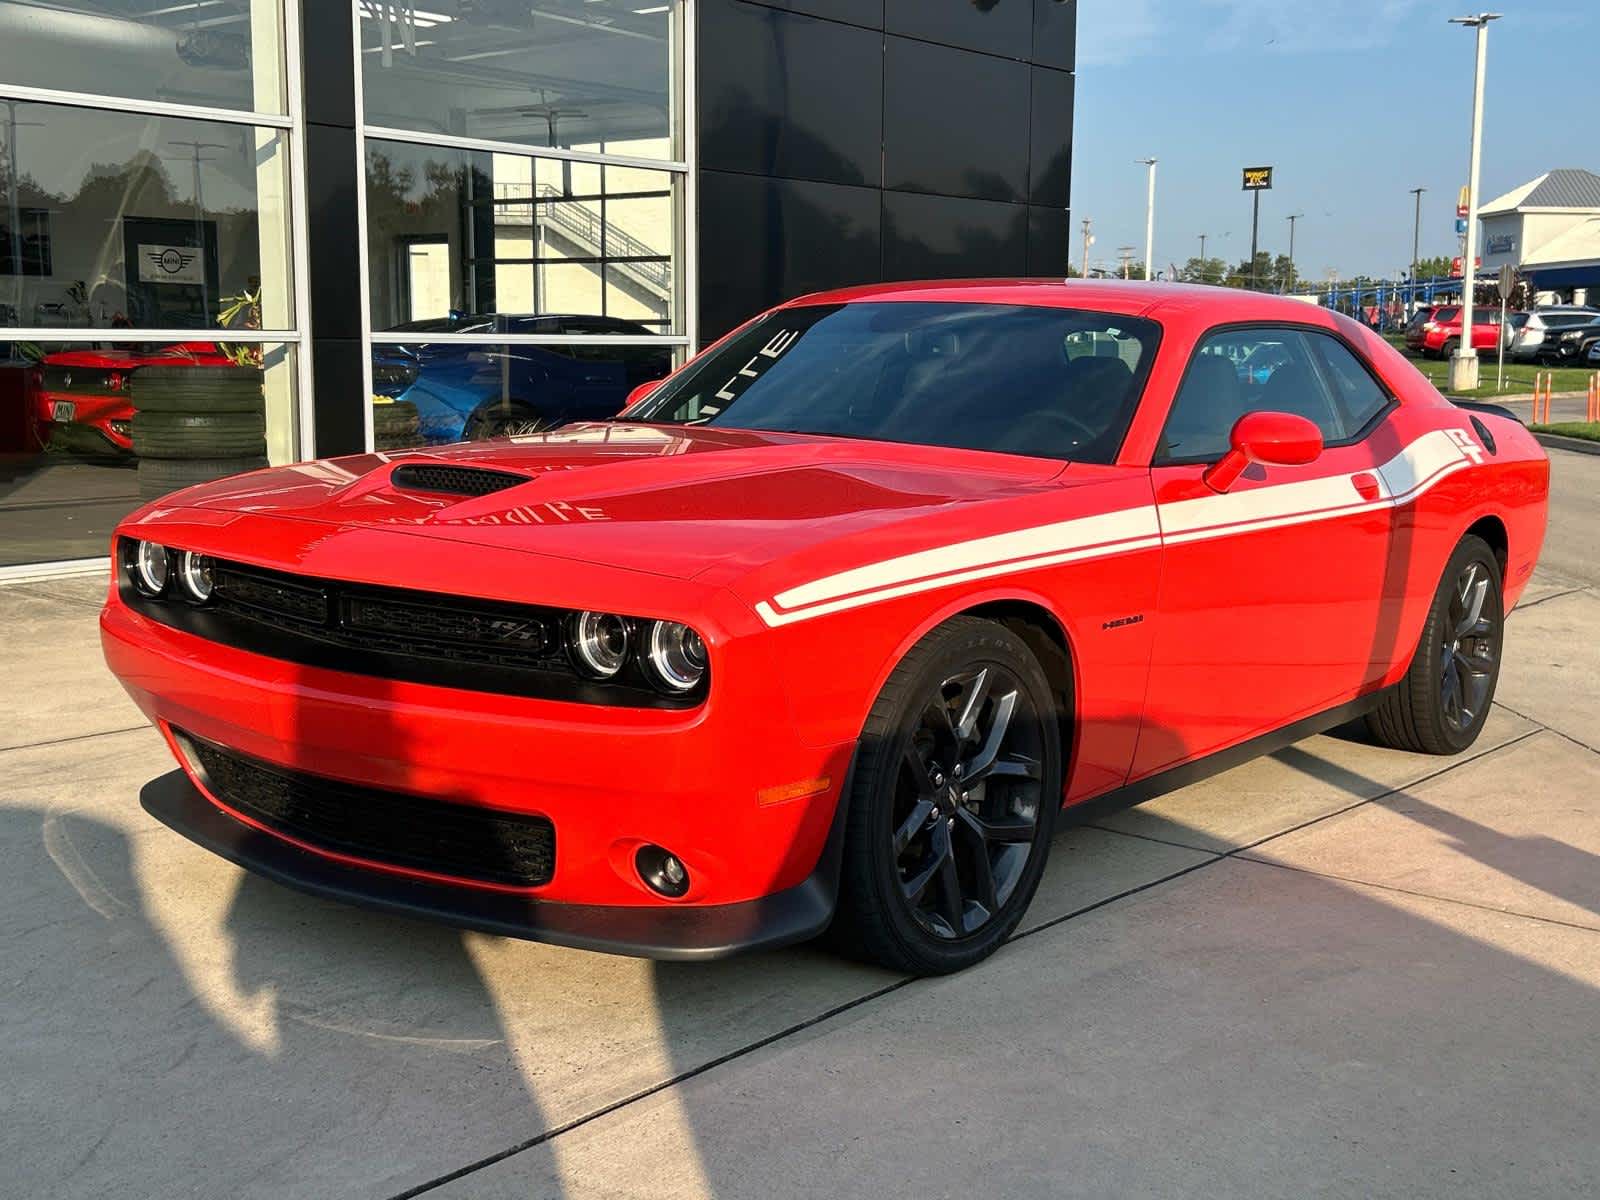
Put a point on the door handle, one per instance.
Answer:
(1366, 484)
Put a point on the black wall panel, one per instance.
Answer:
(790, 96)
(1055, 33)
(832, 153)
(944, 237)
(1050, 154)
(954, 123)
(1003, 27)
(1049, 241)
(764, 240)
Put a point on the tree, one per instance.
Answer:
(1437, 267)
(1261, 278)
(1204, 270)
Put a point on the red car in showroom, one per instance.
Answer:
(830, 626)
(1438, 335)
(87, 391)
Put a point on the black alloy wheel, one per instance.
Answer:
(953, 801)
(1469, 649)
(966, 805)
(1441, 703)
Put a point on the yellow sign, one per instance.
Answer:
(1257, 179)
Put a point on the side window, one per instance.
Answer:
(1272, 369)
(1356, 394)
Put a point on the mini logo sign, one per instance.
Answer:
(171, 264)
(1257, 179)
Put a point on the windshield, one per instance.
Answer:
(1047, 382)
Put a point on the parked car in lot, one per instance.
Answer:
(1440, 333)
(830, 627)
(87, 391)
(483, 389)
(1568, 342)
(1527, 345)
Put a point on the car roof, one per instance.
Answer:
(1129, 297)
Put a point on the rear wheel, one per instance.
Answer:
(956, 785)
(1451, 345)
(1441, 704)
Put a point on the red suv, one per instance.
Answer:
(1439, 333)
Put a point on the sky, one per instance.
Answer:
(1354, 102)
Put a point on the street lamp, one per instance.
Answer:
(1416, 240)
(1293, 217)
(1464, 363)
(1149, 214)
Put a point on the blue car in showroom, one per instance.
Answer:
(473, 390)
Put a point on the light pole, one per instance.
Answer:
(1149, 214)
(1416, 241)
(1289, 282)
(1088, 240)
(1464, 363)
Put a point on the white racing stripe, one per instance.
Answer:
(1421, 465)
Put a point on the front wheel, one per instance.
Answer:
(1442, 702)
(955, 791)
(1450, 346)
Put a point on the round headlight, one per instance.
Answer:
(150, 568)
(600, 643)
(194, 573)
(674, 657)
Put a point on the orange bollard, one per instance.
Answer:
(1593, 413)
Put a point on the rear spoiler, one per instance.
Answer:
(1494, 409)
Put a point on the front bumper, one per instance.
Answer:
(656, 931)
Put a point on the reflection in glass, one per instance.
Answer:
(125, 221)
(436, 392)
(211, 53)
(581, 74)
(466, 232)
(90, 430)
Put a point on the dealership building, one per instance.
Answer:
(1548, 229)
(421, 222)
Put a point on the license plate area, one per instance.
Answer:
(63, 410)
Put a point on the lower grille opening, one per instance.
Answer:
(392, 828)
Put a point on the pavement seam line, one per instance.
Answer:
(683, 1077)
(1400, 891)
(1549, 728)
(1546, 599)
(77, 737)
(762, 1043)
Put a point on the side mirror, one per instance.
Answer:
(640, 392)
(1275, 438)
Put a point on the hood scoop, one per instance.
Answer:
(454, 481)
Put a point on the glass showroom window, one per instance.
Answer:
(590, 75)
(200, 53)
(147, 297)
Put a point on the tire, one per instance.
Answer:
(199, 435)
(197, 389)
(161, 476)
(395, 425)
(1441, 703)
(905, 782)
(1451, 345)
(494, 420)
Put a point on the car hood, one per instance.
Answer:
(666, 500)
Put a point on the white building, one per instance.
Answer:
(1549, 229)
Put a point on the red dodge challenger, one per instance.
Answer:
(829, 627)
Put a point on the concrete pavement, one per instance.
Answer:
(1336, 971)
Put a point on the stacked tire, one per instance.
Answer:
(394, 423)
(193, 424)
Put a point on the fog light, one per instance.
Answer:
(194, 573)
(150, 568)
(662, 872)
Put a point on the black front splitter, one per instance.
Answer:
(680, 932)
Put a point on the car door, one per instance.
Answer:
(1270, 593)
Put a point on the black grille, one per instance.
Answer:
(380, 826)
(458, 481)
(395, 633)
(83, 381)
